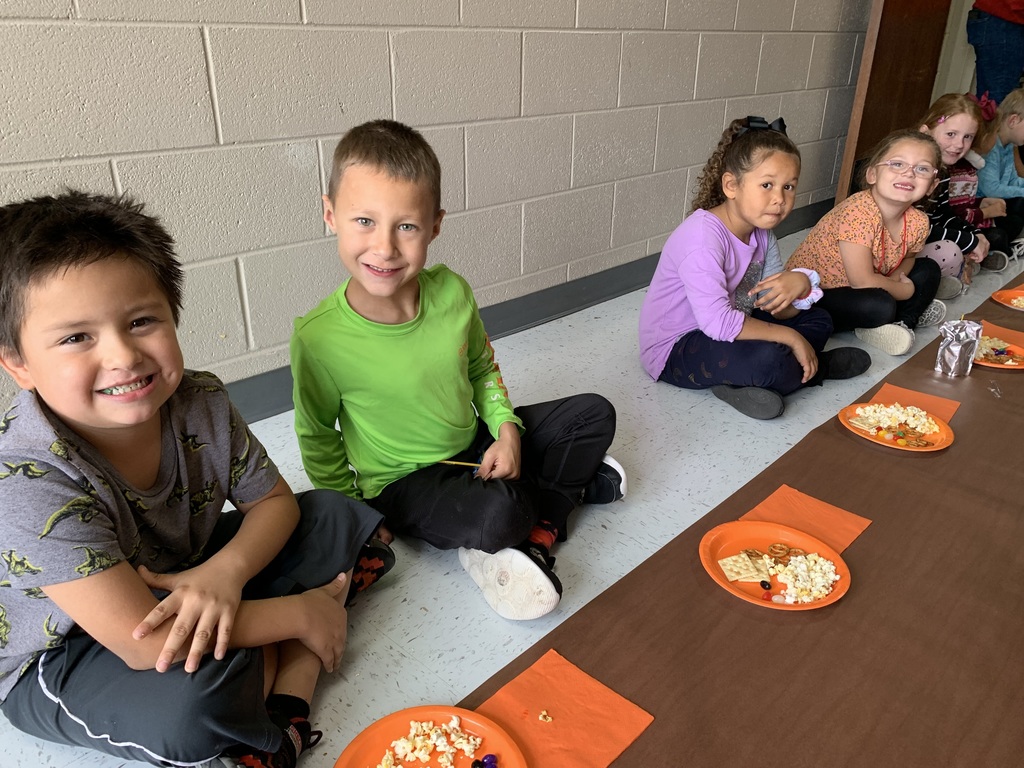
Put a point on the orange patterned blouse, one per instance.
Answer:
(857, 220)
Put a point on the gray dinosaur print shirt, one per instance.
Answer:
(66, 513)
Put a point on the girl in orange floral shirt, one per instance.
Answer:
(865, 248)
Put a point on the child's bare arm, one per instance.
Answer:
(108, 605)
(860, 271)
(203, 600)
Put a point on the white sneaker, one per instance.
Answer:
(514, 584)
(949, 287)
(1017, 248)
(933, 314)
(893, 339)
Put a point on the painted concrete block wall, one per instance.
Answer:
(570, 132)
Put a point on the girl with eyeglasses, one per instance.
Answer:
(865, 249)
(721, 313)
(964, 235)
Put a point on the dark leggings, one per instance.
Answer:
(871, 307)
(449, 507)
(698, 361)
(1006, 228)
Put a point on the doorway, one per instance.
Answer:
(914, 50)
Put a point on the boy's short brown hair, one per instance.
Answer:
(393, 147)
(1012, 104)
(45, 236)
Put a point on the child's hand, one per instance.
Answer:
(904, 288)
(781, 290)
(992, 207)
(326, 630)
(980, 250)
(204, 601)
(501, 460)
(804, 354)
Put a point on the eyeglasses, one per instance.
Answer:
(921, 171)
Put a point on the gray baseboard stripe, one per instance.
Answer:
(268, 394)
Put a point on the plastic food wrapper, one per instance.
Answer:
(958, 343)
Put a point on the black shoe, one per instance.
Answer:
(755, 402)
(607, 485)
(842, 363)
(375, 559)
(539, 554)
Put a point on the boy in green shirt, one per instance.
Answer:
(395, 378)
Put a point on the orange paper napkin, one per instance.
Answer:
(832, 525)
(590, 725)
(1006, 334)
(942, 407)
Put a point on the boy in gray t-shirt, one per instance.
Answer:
(136, 617)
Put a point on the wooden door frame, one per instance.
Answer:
(908, 80)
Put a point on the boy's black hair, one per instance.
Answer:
(47, 235)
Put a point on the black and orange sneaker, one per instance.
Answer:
(375, 559)
(296, 739)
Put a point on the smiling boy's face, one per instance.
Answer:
(384, 226)
(99, 346)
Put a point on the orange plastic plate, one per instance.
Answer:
(1013, 348)
(939, 440)
(732, 538)
(1006, 297)
(368, 748)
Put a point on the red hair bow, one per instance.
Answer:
(988, 106)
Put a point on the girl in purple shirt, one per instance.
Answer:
(721, 313)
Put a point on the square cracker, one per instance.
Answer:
(761, 568)
(737, 567)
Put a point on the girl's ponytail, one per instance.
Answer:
(741, 147)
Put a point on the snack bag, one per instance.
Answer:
(958, 343)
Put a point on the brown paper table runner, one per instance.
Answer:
(918, 665)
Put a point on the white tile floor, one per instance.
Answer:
(424, 635)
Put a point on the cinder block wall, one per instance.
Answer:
(570, 132)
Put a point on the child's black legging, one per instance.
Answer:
(871, 307)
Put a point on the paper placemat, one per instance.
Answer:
(942, 407)
(590, 724)
(832, 525)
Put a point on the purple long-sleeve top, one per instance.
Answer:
(700, 268)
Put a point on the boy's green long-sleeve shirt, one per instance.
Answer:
(391, 399)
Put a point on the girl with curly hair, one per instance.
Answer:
(721, 313)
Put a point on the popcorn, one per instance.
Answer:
(1018, 302)
(807, 577)
(425, 738)
(895, 415)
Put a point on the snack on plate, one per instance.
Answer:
(738, 567)
(997, 352)
(875, 415)
(807, 577)
(1018, 301)
(425, 738)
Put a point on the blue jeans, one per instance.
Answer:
(999, 53)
